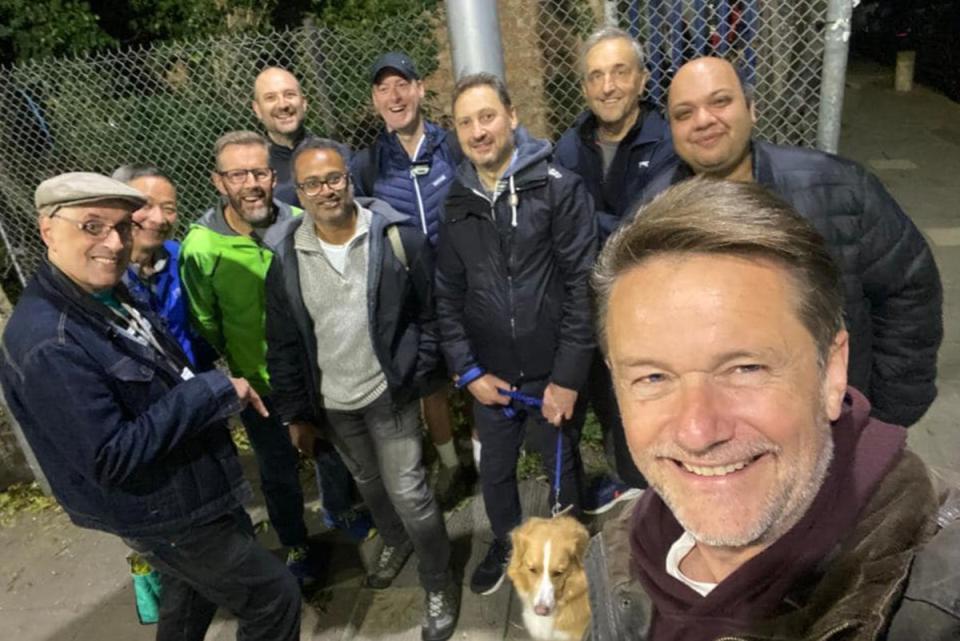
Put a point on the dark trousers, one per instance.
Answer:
(277, 462)
(220, 564)
(501, 439)
(382, 446)
(603, 399)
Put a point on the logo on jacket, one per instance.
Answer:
(643, 164)
(554, 173)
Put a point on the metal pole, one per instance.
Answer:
(836, 42)
(474, 29)
(611, 17)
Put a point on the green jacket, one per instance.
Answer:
(223, 275)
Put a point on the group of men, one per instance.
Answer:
(347, 293)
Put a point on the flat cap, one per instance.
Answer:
(396, 60)
(79, 187)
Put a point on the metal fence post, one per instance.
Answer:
(474, 28)
(836, 42)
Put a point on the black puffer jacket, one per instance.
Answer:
(893, 297)
(514, 299)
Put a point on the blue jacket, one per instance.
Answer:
(127, 445)
(400, 311)
(645, 147)
(162, 294)
(397, 180)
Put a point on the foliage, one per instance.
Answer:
(41, 28)
(24, 497)
(363, 14)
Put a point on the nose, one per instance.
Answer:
(114, 241)
(701, 424)
(608, 84)
(476, 130)
(249, 178)
(703, 118)
(153, 214)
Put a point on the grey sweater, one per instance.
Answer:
(337, 304)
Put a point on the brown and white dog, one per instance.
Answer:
(546, 568)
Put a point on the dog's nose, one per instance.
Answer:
(541, 610)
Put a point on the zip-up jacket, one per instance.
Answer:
(281, 157)
(223, 273)
(128, 446)
(400, 310)
(639, 156)
(893, 300)
(415, 188)
(513, 271)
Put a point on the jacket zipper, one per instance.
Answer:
(423, 214)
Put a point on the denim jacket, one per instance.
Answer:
(127, 444)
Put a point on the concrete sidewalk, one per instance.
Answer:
(61, 583)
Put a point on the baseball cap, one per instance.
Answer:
(79, 187)
(396, 60)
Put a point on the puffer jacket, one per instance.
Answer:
(128, 446)
(400, 311)
(414, 187)
(513, 272)
(640, 155)
(893, 300)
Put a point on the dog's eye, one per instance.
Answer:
(555, 573)
(534, 570)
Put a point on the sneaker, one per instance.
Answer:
(488, 575)
(356, 524)
(448, 489)
(605, 492)
(304, 565)
(388, 565)
(440, 613)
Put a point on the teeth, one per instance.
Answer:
(713, 470)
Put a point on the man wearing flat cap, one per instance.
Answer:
(411, 166)
(141, 448)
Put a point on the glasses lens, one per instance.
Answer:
(261, 174)
(236, 176)
(95, 228)
(336, 181)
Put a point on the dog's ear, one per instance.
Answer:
(519, 542)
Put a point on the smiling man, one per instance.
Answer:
(352, 336)
(280, 106)
(892, 294)
(133, 441)
(781, 509)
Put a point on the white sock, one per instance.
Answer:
(476, 452)
(448, 454)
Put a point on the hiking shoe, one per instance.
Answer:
(304, 565)
(604, 493)
(448, 489)
(440, 613)
(388, 565)
(488, 575)
(356, 524)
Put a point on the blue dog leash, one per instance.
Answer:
(532, 401)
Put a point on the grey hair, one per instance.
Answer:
(316, 143)
(709, 216)
(241, 137)
(611, 33)
(132, 171)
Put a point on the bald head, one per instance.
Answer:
(279, 104)
(710, 119)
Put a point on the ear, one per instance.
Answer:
(420, 89)
(514, 121)
(46, 229)
(256, 110)
(753, 111)
(217, 181)
(835, 374)
(643, 83)
(520, 543)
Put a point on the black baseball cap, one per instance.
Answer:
(396, 60)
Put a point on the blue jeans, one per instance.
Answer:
(277, 462)
(220, 564)
(382, 446)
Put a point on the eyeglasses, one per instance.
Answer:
(99, 229)
(313, 186)
(239, 176)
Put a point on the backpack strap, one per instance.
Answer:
(393, 234)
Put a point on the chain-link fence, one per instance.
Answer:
(166, 105)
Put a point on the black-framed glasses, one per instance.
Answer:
(239, 176)
(99, 229)
(313, 185)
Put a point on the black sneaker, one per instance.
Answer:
(440, 613)
(488, 575)
(388, 565)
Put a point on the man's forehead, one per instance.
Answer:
(478, 98)
(609, 52)
(275, 79)
(242, 152)
(703, 76)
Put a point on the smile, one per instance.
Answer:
(716, 470)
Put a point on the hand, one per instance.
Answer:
(558, 404)
(303, 435)
(248, 395)
(486, 390)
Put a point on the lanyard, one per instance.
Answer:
(532, 401)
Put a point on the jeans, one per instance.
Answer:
(501, 439)
(220, 564)
(277, 462)
(604, 401)
(382, 447)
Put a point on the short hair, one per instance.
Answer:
(708, 216)
(316, 143)
(132, 171)
(611, 33)
(241, 137)
(482, 79)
